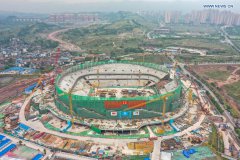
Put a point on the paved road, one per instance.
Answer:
(38, 126)
(63, 44)
(72, 156)
(156, 154)
(189, 129)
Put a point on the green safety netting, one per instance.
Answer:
(93, 107)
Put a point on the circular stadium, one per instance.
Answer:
(117, 90)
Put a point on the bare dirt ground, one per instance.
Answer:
(234, 77)
(15, 88)
(230, 75)
(232, 70)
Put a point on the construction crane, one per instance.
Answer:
(164, 98)
(40, 81)
(56, 66)
(190, 103)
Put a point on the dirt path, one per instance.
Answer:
(234, 77)
(63, 44)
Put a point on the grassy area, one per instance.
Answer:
(198, 59)
(153, 58)
(233, 31)
(215, 140)
(122, 36)
(203, 43)
(212, 45)
(205, 37)
(218, 75)
(29, 33)
(126, 36)
(233, 90)
(238, 132)
(236, 42)
(106, 40)
(203, 28)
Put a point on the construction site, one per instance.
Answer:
(110, 108)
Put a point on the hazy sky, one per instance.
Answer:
(51, 6)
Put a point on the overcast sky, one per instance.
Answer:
(52, 6)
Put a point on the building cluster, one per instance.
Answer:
(72, 18)
(172, 16)
(18, 53)
(27, 19)
(58, 18)
(215, 17)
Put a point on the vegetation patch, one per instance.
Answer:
(217, 75)
(233, 90)
(152, 58)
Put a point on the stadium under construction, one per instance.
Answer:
(117, 90)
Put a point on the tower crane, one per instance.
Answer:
(164, 98)
(56, 66)
(40, 81)
(70, 102)
(190, 103)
